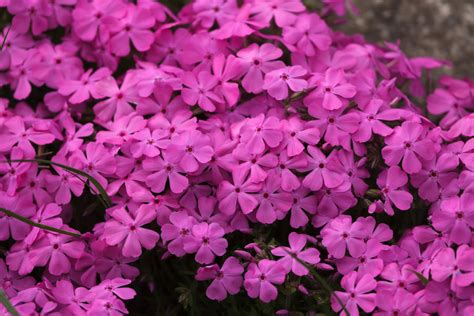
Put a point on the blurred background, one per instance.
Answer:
(439, 28)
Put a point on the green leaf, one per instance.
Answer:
(421, 277)
(35, 224)
(105, 199)
(8, 305)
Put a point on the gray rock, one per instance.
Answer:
(439, 28)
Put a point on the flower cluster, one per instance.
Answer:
(227, 120)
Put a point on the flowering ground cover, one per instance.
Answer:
(227, 157)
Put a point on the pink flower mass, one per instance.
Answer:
(158, 157)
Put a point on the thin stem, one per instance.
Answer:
(322, 282)
(8, 305)
(35, 224)
(5, 38)
(105, 198)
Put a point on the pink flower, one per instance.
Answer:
(400, 302)
(189, 149)
(408, 142)
(258, 60)
(356, 295)
(340, 234)
(371, 121)
(392, 183)
(165, 170)
(56, 251)
(206, 240)
(149, 143)
(135, 27)
(11, 283)
(9, 226)
(335, 126)
(96, 160)
(176, 231)
(127, 228)
(303, 201)
(273, 201)
(285, 12)
(260, 279)
(332, 90)
(324, 171)
(458, 266)
(23, 136)
(91, 18)
(227, 279)
(434, 176)
(259, 132)
(240, 191)
(119, 99)
(294, 254)
(456, 217)
(199, 90)
(278, 81)
(308, 34)
(298, 133)
(81, 89)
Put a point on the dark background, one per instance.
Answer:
(439, 28)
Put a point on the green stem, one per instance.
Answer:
(321, 281)
(35, 224)
(105, 197)
(8, 305)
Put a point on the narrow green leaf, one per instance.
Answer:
(5, 38)
(421, 277)
(322, 282)
(35, 224)
(103, 194)
(8, 305)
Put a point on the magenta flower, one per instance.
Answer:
(260, 132)
(227, 279)
(278, 81)
(11, 283)
(176, 231)
(400, 302)
(325, 171)
(206, 240)
(118, 99)
(239, 191)
(80, 90)
(164, 170)
(371, 121)
(189, 149)
(261, 277)
(199, 89)
(303, 202)
(408, 144)
(392, 182)
(96, 160)
(257, 61)
(356, 295)
(307, 35)
(456, 217)
(285, 12)
(332, 90)
(21, 205)
(434, 176)
(457, 266)
(23, 136)
(294, 254)
(135, 27)
(127, 228)
(56, 251)
(298, 133)
(149, 143)
(273, 201)
(340, 234)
